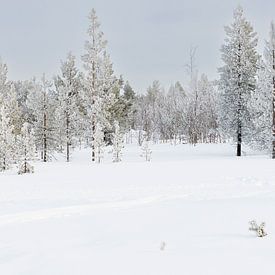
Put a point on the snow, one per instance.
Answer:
(112, 218)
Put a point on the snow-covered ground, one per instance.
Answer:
(82, 218)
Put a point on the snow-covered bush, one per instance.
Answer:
(259, 229)
(146, 151)
(98, 143)
(25, 168)
(117, 144)
(26, 149)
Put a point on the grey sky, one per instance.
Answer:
(147, 40)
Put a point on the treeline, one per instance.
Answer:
(94, 107)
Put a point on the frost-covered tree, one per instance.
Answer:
(147, 114)
(99, 143)
(129, 108)
(237, 78)
(263, 100)
(261, 109)
(42, 105)
(100, 81)
(4, 83)
(207, 113)
(172, 109)
(9, 98)
(146, 151)
(270, 63)
(13, 109)
(192, 115)
(68, 87)
(26, 149)
(7, 141)
(117, 144)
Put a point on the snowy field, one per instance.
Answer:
(80, 218)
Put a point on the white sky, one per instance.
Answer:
(148, 40)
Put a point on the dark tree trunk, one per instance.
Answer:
(45, 138)
(239, 144)
(67, 136)
(93, 140)
(239, 123)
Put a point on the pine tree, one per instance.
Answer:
(238, 78)
(95, 48)
(26, 148)
(100, 82)
(117, 144)
(68, 86)
(7, 141)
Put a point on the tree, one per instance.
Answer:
(7, 141)
(262, 101)
(68, 86)
(117, 144)
(100, 82)
(13, 109)
(193, 120)
(42, 104)
(4, 84)
(270, 60)
(26, 148)
(237, 78)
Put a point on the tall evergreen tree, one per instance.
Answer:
(100, 82)
(68, 86)
(238, 78)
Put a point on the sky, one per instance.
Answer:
(147, 40)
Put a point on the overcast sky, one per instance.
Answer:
(147, 39)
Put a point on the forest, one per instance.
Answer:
(93, 107)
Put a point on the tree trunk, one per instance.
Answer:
(93, 140)
(45, 138)
(239, 144)
(239, 123)
(67, 136)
